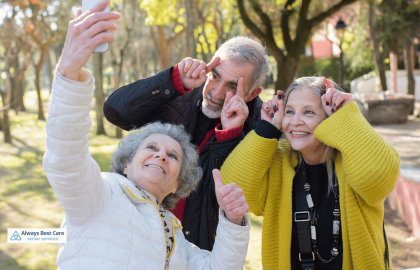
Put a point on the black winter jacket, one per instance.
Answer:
(155, 99)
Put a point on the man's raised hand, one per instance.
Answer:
(193, 72)
(230, 198)
(84, 33)
(235, 111)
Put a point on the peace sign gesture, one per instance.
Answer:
(235, 111)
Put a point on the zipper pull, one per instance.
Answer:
(167, 264)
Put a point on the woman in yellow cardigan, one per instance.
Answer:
(320, 190)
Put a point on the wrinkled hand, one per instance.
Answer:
(84, 33)
(235, 111)
(334, 99)
(272, 111)
(230, 198)
(193, 72)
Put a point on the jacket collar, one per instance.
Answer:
(136, 197)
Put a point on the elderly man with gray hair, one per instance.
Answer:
(217, 103)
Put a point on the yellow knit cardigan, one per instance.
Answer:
(367, 169)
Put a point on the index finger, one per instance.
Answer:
(328, 83)
(218, 183)
(214, 63)
(240, 88)
(100, 6)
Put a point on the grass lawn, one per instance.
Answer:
(28, 201)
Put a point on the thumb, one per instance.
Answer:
(218, 183)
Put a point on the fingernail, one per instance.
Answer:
(272, 115)
(268, 108)
(332, 109)
(328, 103)
(279, 97)
(334, 105)
(275, 107)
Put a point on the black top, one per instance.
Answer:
(324, 205)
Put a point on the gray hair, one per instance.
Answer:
(318, 86)
(243, 50)
(190, 173)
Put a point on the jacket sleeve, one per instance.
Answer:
(136, 104)
(72, 172)
(247, 166)
(370, 164)
(229, 250)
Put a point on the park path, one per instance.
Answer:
(405, 248)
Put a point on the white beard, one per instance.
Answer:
(211, 111)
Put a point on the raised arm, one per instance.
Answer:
(248, 164)
(138, 103)
(371, 165)
(70, 169)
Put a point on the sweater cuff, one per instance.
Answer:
(267, 130)
(176, 81)
(224, 135)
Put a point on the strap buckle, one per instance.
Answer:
(313, 257)
(300, 220)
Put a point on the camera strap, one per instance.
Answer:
(302, 217)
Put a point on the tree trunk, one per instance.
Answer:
(20, 92)
(165, 54)
(6, 104)
(119, 134)
(49, 69)
(38, 68)
(377, 55)
(99, 92)
(38, 91)
(409, 68)
(189, 7)
(394, 70)
(1, 118)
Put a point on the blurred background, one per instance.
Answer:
(371, 48)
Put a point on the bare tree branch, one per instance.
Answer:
(264, 17)
(322, 16)
(173, 39)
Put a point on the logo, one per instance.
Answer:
(15, 237)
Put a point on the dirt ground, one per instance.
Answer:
(405, 248)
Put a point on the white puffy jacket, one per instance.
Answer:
(109, 224)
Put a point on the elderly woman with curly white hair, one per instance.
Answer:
(120, 219)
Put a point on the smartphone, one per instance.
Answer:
(87, 5)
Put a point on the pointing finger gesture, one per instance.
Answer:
(235, 111)
(334, 99)
(193, 72)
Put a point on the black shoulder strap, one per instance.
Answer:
(302, 218)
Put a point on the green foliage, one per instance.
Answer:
(397, 21)
(357, 49)
(160, 12)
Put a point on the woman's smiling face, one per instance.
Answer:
(303, 113)
(156, 165)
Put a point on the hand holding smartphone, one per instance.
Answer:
(89, 5)
(89, 32)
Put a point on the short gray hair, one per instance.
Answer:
(318, 86)
(189, 174)
(243, 50)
